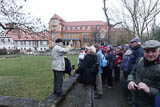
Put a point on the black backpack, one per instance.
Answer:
(68, 67)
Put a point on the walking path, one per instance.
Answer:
(113, 97)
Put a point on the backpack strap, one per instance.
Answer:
(139, 60)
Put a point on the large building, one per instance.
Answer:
(80, 32)
(24, 42)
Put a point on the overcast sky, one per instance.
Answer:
(69, 10)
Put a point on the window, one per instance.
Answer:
(21, 43)
(54, 35)
(89, 28)
(97, 27)
(76, 36)
(29, 42)
(73, 28)
(65, 36)
(83, 28)
(96, 35)
(54, 28)
(102, 35)
(24, 42)
(64, 27)
(70, 36)
(41, 42)
(85, 38)
(78, 28)
(69, 28)
(53, 43)
(2, 40)
(54, 21)
(8, 40)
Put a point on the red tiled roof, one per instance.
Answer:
(58, 17)
(17, 35)
(81, 23)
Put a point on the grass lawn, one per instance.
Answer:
(27, 76)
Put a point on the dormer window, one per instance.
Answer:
(54, 21)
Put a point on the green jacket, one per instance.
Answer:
(149, 75)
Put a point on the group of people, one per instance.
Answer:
(97, 64)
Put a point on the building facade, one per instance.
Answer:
(27, 43)
(82, 33)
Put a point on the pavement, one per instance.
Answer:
(113, 97)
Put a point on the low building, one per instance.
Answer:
(27, 43)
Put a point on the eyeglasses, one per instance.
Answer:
(150, 50)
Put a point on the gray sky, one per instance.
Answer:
(69, 10)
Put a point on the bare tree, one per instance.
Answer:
(139, 15)
(109, 25)
(12, 17)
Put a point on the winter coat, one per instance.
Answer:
(148, 73)
(100, 57)
(110, 59)
(87, 74)
(124, 62)
(136, 54)
(58, 53)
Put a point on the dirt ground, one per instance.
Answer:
(113, 97)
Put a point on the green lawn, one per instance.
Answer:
(27, 76)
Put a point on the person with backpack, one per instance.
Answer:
(87, 77)
(144, 79)
(102, 63)
(110, 65)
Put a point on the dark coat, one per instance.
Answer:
(110, 56)
(88, 69)
(148, 73)
(136, 54)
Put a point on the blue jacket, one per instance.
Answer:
(157, 100)
(100, 57)
(136, 54)
(124, 62)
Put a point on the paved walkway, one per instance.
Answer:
(113, 97)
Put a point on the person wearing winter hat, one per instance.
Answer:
(145, 77)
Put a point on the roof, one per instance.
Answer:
(58, 17)
(19, 35)
(81, 23)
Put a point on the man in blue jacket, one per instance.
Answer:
(100, 56)
(137, 53)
